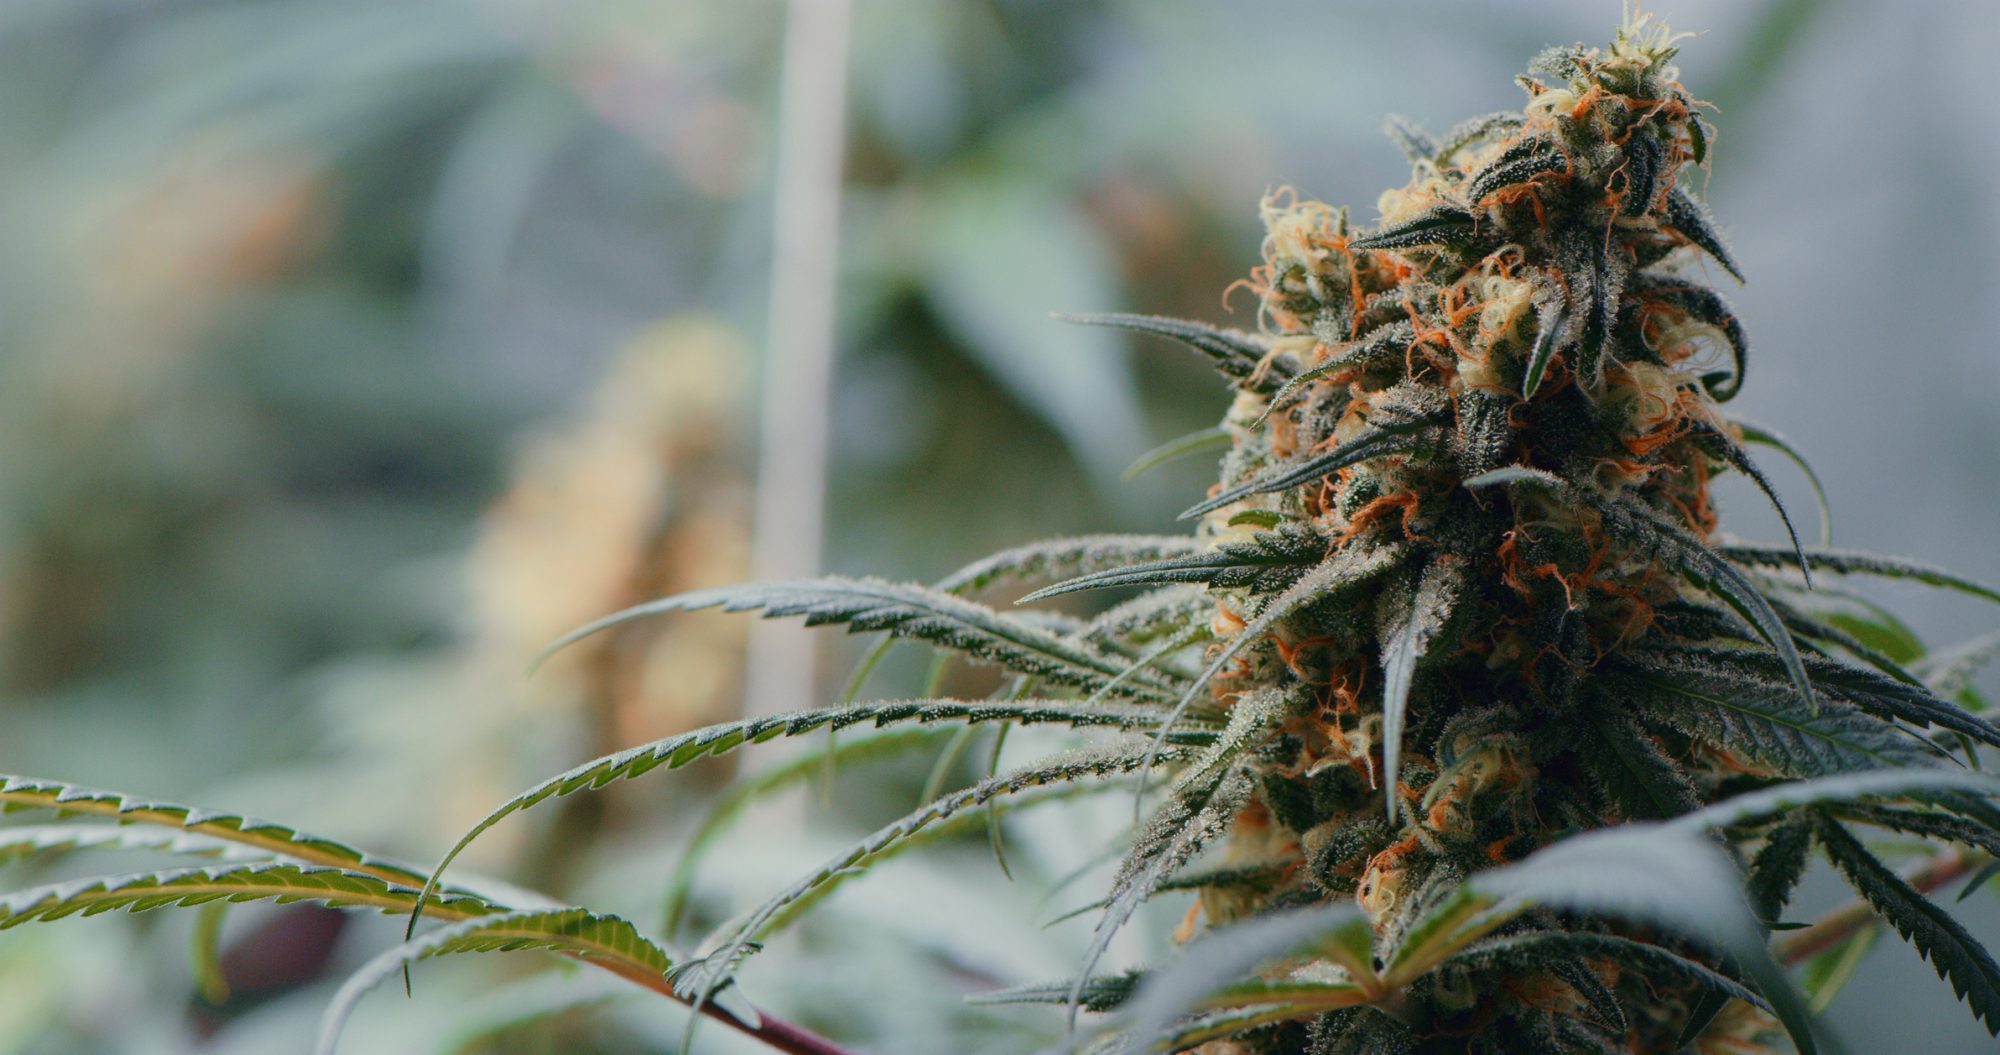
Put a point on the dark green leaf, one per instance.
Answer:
(1847, 562)
(1266, 563)
(904, 610)
(1957, 956)
(1393, 438)
(1690, 217)
(1240, 356)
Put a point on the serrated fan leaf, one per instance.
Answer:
(957, 825)
(1349, 567)
(1848, 787)
(1777, 730)
(23, 793)
(1752, 671)
(1668, 876)
(706, 976)
(904, 610)
(744, 792)
(1266, 563)
(1406, 632)
(1239, 356)
(1686, 214)
(1779, 865)
(676, 751)
(1226, 956)
(1695, 560)
(1055, 558)
(260, 881)
(1099, 994)
(1529, 951)
(1200, 805)
(1376, 346)
(1809, 629)
(1956, 955)
(43, 840)
(606, 940)
(1931, 824)
(1848, 562)
(1382, 440)
(1634, 772)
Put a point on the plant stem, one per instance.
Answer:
(1837, 926)
(781, 1035)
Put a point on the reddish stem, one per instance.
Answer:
(779, 1034)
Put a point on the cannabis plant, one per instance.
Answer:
(1463, 725)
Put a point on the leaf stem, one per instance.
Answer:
(780, 1035)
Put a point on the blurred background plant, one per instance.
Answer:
(354, 351)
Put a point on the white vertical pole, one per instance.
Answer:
(798, 364)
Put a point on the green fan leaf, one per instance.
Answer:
(1752, 671)
(1529, 951)
(1668, 876)
(1098, 994)
(605, 940)
(1633, 771)
(21, 793)
(1241, 357)
(1848, 562)
(1779, 865)
(1776, 730)
(261, 881)
(1203, 800)
(704, 977)
(1848, 787)
(1267, 563)
(1056, 558)
(47, 840)
(676, 751)
(1672, 544)
(1392, 438)
(1957, 956)
(904, 610)
(1229, 955)
(746, 792)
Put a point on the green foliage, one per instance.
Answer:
(575, 931)
(1466, 727)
